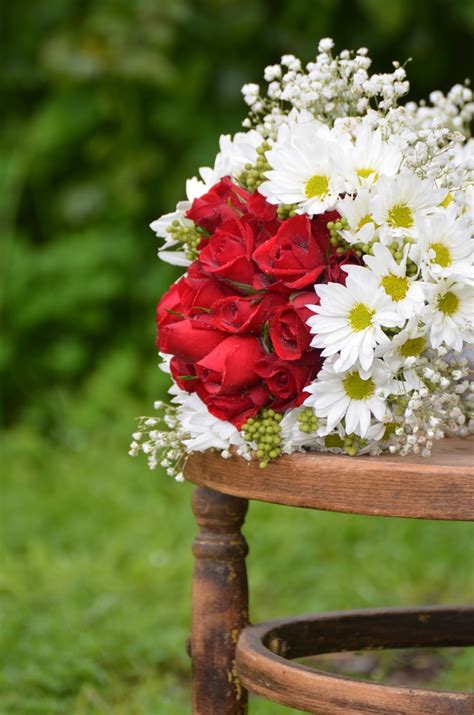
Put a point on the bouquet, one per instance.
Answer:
(328, 288)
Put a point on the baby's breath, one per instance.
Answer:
(160, 438)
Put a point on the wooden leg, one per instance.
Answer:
(220, 603)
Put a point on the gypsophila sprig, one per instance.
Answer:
(328, 295)
(160, 438)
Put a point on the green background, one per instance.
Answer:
(107, 108)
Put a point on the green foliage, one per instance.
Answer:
(108, 107)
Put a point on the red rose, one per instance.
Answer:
(289, 332)
(262, 217)
(244, 315)
(228, 254)
(225, 200)
(189, 340)
(189, 295)
(170, 308)
(286, 380)
(259, 207)
(236, 407)
(183, 374)
(293, 256)
(227, 380)
(334, 272)
(231, 365)
(201, 290)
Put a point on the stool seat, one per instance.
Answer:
(264, 654)
(440, 487)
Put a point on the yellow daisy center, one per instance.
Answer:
(442, 255)
(356, 388)
(413, 347)
(400, 216)
(317, 187)
(395, 286)
(360, 317)
(447, 200)
(364, 221)
(448, 303)
(366, 173)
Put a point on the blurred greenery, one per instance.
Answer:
(107, 108)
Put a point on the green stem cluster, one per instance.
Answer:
(254, 174)
(286, 211)
(264, 432)
(189, 236)
(351, 443)
(307, 421)
(336, 240)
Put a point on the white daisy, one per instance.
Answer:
(194, 189)
(350, 318)
(445, 247)
(449, 313)
(406, 294)
(205, 431)
(304, 171)
(370, 157)
(353, 395)
(235, 152)
(356, 209)
(293, 438)
(397, 201)
(407, 345)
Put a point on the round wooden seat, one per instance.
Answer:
(264, 654)
(440, 487)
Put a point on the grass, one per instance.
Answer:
(96, 573)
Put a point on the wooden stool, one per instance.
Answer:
(229, 657)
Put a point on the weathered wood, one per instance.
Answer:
(440, 487)
(220, 603)
(263, 665)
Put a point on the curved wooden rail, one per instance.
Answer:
(264, 669)
(440, 487)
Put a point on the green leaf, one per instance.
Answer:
(245, 288)
(267, 343)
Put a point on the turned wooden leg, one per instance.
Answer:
(220, 603)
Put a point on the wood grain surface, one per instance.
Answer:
(264, 667)
(219, 603)
(439, 487)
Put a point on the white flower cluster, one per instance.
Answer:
(161, 438)
(414, 288)
(401, 179)
(181, 428)
(328, 88)
(454, 110)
